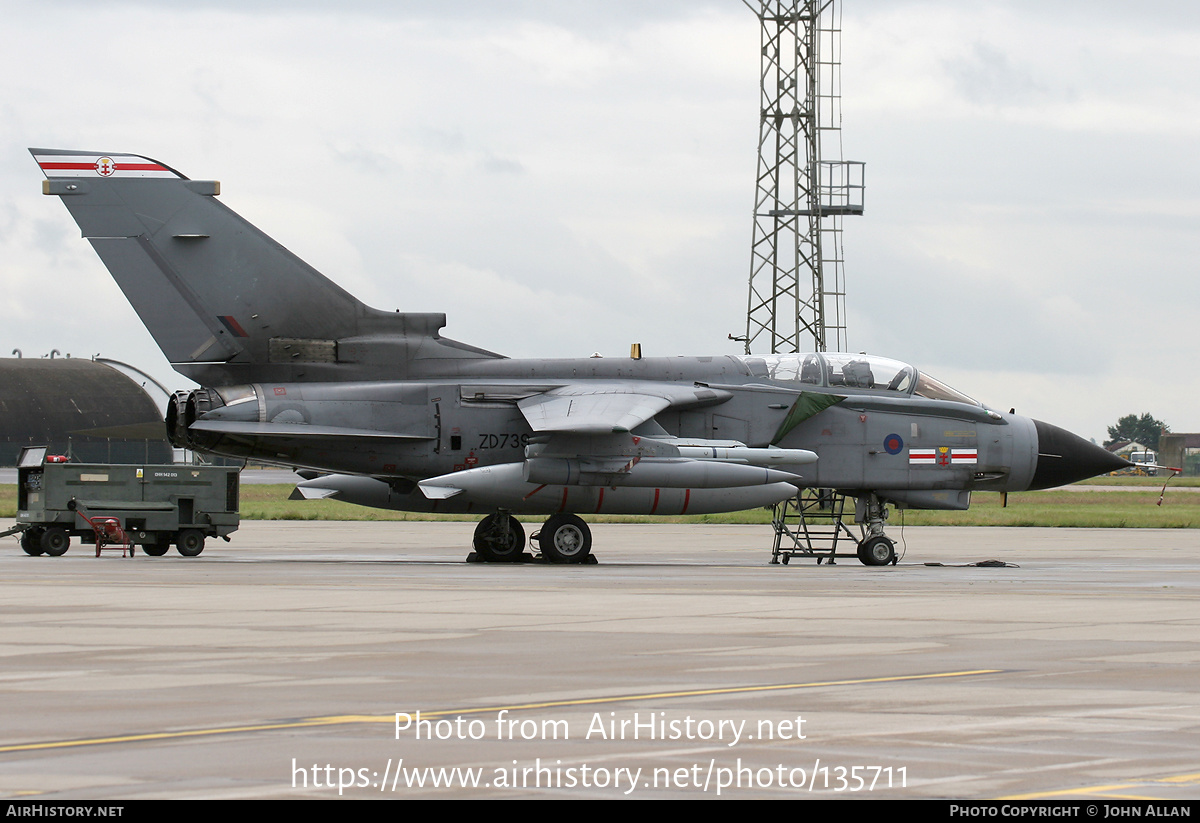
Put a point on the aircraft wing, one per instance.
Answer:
(605, 408)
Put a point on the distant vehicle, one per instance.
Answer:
(1145, 464)
(297, 372)
(156, 506)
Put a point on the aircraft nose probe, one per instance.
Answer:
(1065, 458)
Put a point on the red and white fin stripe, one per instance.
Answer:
(101, 165)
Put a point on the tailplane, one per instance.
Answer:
(225, 302)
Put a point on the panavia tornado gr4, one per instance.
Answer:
(377, 408)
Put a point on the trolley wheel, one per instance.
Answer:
(158, 548)
(31, 542)
(877, 551)
(55, 541)
(190, 542)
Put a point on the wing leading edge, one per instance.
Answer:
(606, 408)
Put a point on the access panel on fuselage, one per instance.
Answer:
(478, 433)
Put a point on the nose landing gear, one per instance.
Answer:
(876, 548)
(877, 551)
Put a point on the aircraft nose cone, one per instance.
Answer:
(1067, 458)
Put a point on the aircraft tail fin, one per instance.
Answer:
(225, 302)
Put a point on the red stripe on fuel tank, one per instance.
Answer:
(687, 498)
(654, 508)
(599, 502)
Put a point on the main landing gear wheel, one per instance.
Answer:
(190, 542)
(499, 538)
(55, 541)
(565, 538)
(877, 551)
(31, 542)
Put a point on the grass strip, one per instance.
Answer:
(1132, 508)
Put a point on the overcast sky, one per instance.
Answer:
(563, 178)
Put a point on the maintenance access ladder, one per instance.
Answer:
(812, 524)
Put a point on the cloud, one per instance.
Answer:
(564, 177)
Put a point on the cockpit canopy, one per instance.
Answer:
(844, 371)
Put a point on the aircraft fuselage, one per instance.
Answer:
(927, 453)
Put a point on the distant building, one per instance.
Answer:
(87, 410)
(1181, 451)
(1126, 447)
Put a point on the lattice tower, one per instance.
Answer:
(797, 279)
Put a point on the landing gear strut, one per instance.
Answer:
(876, 548)
(499, 538)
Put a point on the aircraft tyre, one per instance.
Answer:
(877, 551)
(31, 542)
(190, 542)
(158, 548)
(493, 545)
(565, 538)
(55, 541)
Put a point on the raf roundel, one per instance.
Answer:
(892, 444)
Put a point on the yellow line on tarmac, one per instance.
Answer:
(137, 738)
(588, 701)
(346, 719)
(1183, 778)
(1108, 791)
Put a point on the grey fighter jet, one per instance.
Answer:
(377, 408)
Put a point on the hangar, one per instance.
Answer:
(84, 409)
